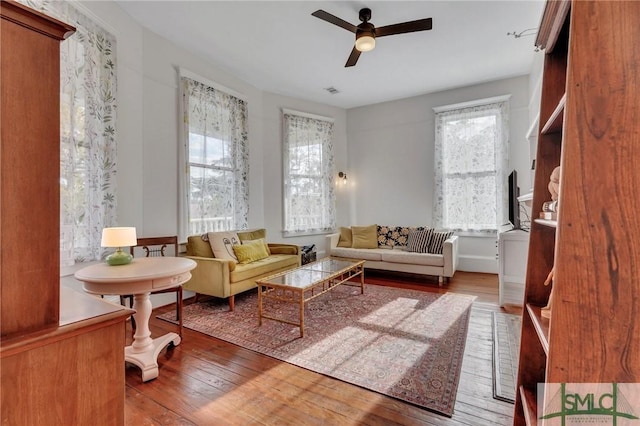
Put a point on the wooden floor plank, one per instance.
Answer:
(206, 381)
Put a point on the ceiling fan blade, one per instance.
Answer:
(353, 58)
(405, 27)
(325, 16)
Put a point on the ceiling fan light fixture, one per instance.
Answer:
(365, 42)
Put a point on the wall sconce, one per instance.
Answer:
(119, 237)
(343, 176)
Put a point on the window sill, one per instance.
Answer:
(288, 234)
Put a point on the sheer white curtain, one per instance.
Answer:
(217, 178)
(87, 133)
(471, 166)
(309, 197)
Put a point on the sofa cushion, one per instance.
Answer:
(222, 244)
(436, 243)
(283, 249)
(403, 256)
(345, 239)
(250, 251)
(418, 241)
(364, 254)
(267, 266)
(198, 245)
(365, 237)
(255, 234)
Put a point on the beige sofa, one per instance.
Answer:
(225, 278)
(393, 256)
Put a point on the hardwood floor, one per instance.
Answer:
(206, 381)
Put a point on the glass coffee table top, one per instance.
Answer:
(311, 274)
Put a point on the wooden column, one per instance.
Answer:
(29, 168)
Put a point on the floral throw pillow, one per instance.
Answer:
(395, 236)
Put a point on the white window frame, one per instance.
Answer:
(500, 170)
(183, 157)
(325, 178)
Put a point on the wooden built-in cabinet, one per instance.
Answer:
(590, 126)
(61, 355)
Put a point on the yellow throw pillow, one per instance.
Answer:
(365, 237)
(262, 240)
(345, 237)
(250, 251)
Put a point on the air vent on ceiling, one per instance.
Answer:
(331, 90)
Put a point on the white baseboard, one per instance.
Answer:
(483, 264)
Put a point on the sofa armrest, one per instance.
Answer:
(210, 276)
(332, 242)
(450, 253)
(283, 248)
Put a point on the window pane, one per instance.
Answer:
(217, 160)
(471, 202)
(210, 199)
(308, 169)
(469, 145)
(210, 151)
(471, 160)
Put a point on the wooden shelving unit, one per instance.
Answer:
(554, 124)
(590, 126)
(61, 355)
(547, 222)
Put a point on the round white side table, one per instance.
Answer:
(139, 278)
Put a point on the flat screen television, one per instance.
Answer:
(514, 205)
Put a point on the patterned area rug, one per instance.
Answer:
(506, 348)
(402, 343)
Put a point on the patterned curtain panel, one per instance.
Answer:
(309, 200)
(87, 133)
(216, 135)
(471, 168)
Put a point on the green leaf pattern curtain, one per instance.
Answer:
(88, 133)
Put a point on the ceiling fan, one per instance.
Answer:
(366, 32)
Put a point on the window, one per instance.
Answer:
(216, 192)
(471, 160)
(309, 198)
(87, 133)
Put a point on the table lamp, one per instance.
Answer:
(119, 237)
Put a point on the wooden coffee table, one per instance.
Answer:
(305, 283)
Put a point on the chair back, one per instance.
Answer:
(156, 246)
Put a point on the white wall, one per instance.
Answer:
(273, 167)
(391, 148)
(388, 157)
(148, 132)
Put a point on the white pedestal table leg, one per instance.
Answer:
(144, 350)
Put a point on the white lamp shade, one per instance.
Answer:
(365, 43)
(119, 237)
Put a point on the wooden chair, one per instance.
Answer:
(155, 246)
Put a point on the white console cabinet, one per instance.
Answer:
(513, 248)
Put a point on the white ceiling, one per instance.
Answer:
(279, 47)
